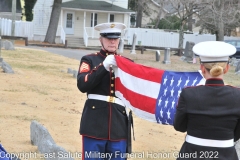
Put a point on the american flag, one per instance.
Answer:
(151, 93)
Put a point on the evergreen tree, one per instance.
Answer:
(170, 22)
(28, 9)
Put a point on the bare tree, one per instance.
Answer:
(185, 9)
(190, 18)
(139, 13)
(220, 17)
(143, 9)
(53, 23)
(158, 18)
(160, 11)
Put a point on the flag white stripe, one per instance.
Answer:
(136, 111)
(138, 85)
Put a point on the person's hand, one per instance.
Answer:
(109, 61)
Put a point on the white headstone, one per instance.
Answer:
(167, 56)
(133, 44)
(121, 45)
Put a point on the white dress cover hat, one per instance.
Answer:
(214, 51)
(110, 30)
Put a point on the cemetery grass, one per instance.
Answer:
(42, 90)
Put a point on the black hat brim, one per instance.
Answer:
(111, 35)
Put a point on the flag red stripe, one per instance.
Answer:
(139, 70)
(139, 101)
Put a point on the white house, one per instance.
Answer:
(77, 19)
(6, 9)
(153, 11)
(166, 9)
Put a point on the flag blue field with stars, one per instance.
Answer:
(171, 87)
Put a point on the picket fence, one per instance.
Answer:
(22, 28)
(159, 38)
(144, 36)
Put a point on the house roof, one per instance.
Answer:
(6, 6)
(94, 5)
(167, 6)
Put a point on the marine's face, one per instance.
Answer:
(110, 44)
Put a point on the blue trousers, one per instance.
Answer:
(97, 149)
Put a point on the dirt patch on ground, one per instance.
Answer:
(42, 90)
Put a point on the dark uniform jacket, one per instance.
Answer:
(100, 119)
(209, 112)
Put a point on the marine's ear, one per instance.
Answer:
(226, 69)
(202, 68)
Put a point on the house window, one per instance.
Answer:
(69, 20)
(95, 20)
(111, 17)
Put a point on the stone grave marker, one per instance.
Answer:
(70, 71)
(75, 73)
(167, 56)
(188, 53)
(158, 54)
(134, 44)
(8, 45)
(237, 69)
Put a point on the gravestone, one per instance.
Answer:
(237, 69)
(235, 62)
(2, 44)
(133, 44)
(158, 55)
(70, 71)
(1, 60)
(167, 56)
(75, 73)
(121, 45)
(8, 45)
(41, 138)
(6, 67)
(188, 53)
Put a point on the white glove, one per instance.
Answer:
(109, 61)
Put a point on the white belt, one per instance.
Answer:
(209, 142)
(106, 98)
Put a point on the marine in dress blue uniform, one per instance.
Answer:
(210, 113)
(104, 122)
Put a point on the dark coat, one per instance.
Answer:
(209, 112)
(100, 119)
